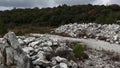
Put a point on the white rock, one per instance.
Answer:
(41, 55)
(40, 62)
(47, 49)
(21, 37)
(59, 59)
(49, 43)
(37, 66)
(55, 41)
(54, 62)
(12, 40)
(110, 31)
(34, 43)
(27, 49)
(116, 37)
(63, 65)
(29, 39)
(56, 66)
(13, 53)
(1, 40)
(20, 41)
(73, 64)
(36, 35)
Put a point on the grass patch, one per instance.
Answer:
(26, 29)
(78, 51)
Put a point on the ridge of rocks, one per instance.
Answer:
(106, 32)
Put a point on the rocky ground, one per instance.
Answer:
(50, 51)
(109, 33)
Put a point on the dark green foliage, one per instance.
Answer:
(106, 19)
(61, 15)
(3, 28)
(78, 51)
(101, 19)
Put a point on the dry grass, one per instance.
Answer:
(21, 30)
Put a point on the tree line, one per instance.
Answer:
(60, 15)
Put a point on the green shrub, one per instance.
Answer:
(3, 28)
(78, 50)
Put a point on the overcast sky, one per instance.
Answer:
(9, 4)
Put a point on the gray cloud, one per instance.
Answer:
(106, 2)
(25, 3)
(115, 1)
(5, 8)
(4, 4)
(73, 2)
(16, 3)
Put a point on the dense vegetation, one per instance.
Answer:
(60, 15)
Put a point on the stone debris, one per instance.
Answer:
(44, 51)
(109, 33)
(11, 53)
(59, 59)
(41, 55)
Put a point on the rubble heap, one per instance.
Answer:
(109, 33)
(46, 51)
(11, 53)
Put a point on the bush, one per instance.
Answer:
(63, 53)
(78, 51)
(3, 28)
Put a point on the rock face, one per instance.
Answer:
(11, 54)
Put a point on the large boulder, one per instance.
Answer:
(11, 54)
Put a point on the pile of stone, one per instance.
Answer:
(11, 53)
(34, 52)
(109, 33)
(46, 51)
